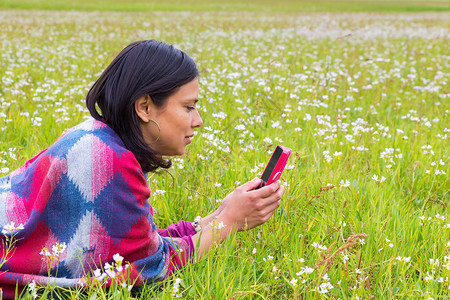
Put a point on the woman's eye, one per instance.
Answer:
(190, 108)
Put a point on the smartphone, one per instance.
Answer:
(275, 167)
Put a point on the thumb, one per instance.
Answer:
(252, 184)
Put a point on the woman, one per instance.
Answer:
(87, 193)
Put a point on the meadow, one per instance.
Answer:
(232, 5)
(361, 98)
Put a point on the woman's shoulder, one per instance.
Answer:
(92, 153)
(90, 137)
(92, 127)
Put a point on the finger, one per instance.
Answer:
(263, 205)
(271, 208)
(270, 212)
(251, 185)
(267, 190)
(272, 198)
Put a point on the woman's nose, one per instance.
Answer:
(197, 121)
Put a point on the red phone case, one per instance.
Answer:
(278, 168)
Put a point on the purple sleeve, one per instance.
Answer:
(180, 229)
(183, 230)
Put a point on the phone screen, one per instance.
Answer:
(272, 163)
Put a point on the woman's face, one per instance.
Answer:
(177, 119)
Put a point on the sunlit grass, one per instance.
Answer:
(354, 95)
(233, 5)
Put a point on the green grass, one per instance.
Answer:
(232, 5)
(341, 83)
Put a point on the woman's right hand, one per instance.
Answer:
(246, 208)
(242, 209)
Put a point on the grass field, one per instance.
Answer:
(234, 5)
(361, 98)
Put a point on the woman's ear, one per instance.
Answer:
(143, 107)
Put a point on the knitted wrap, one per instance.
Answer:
(89, 192)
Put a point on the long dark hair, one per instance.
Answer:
(142, 68)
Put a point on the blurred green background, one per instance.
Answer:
(231, 5)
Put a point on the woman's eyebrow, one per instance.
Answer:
(190, 100)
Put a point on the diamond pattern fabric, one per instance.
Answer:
(88, 191)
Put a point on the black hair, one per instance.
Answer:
(142, 68)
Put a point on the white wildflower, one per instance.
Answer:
(44, 252)
(345, 258)
(58, 249)
(344, 183)
(117, 258)
(267, 140)
(12, 228)
(221, 225)
(33, 290)
(293, 281)
(176, 287)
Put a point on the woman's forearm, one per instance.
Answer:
(213, 232)
(208, 219)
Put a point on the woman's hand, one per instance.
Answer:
(246, 208)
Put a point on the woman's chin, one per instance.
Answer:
(178, 152)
